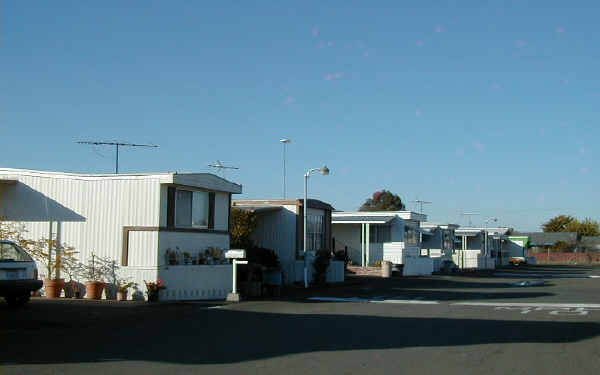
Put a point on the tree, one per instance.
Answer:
(383, 200)
(243, 223)
(565, 223)
(587, 227)
(558, 224)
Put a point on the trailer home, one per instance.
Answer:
(171, 226)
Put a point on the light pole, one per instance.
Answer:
(494, 219)
(324, 171)
(285, 141)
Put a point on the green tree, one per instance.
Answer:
(587, 227)
(559, 224)
(565, 223)
(383, 200)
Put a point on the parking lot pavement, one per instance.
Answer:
(463, 334)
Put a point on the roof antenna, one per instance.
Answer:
(220, 168)
(470, 215)
(421, 203)
(116, 144)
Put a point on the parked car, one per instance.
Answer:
(18, 274)
(517, 261)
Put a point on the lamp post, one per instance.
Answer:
(494, 219)
(285, 141)
(324, 171)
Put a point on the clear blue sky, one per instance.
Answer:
(485, 106)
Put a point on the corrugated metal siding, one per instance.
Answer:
(104, 206)
(143, 249)
(221, 210)
(276, 230)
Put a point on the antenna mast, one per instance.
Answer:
(421, 203)
(220, 168)
(470, 215)
(116, 144)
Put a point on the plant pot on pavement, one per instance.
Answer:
(53, 287)
(70, 288)
(93, 289)
(122, 296)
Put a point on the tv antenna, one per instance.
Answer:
(220, 168)
(116, 144)
(420, 203)
(470, 215)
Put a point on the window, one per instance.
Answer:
(315, 232)
(191, 209)
(411, 235)
(9, 252)
(448, 240)
(380, 233)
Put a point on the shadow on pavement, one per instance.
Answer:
(187, 334)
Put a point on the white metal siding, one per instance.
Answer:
(93, 212)
(221, 211)
(142, 249)
(276, 230)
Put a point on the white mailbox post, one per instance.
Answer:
(235, 254)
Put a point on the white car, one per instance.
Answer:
(18, 274)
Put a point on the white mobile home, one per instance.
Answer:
(371, 237)
(438, 242)
(280, 227)
(135, 219)
(480, 248)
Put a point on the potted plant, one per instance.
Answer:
(122, 289)
(187, 257)
(171, 257)
(94, 272)
(73, 268)
(153, 288)
(53, 283)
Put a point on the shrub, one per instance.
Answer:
(320, 265)
(264, 257)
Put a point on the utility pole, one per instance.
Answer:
(116, 144)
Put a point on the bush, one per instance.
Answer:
(264, 257)
(320, 265)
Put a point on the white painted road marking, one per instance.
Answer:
(514, 304)
(551, 275)
(366, 300)
(580, 309)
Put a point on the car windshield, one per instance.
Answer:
(10, 252)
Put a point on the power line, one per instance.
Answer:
(116, 144)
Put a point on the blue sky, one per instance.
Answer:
(480, 106)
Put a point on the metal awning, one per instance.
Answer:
(467, 234)
(259, 209)
(361, 219)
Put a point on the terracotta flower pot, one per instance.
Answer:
(93, 289)
(122, 296)
(53, 287)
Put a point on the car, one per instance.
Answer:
(517, 261)
(18, 274)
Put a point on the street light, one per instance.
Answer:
(494, 219)
(324, 171)
(285, 141)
